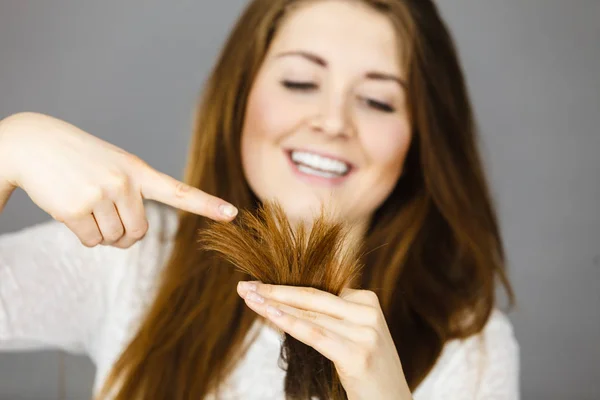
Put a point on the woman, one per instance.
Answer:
(358, 103)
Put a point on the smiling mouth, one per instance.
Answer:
(318, 165)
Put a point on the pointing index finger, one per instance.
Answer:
(165, 189)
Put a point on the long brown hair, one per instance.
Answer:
(433, 248)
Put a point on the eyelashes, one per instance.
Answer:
(307, 87)
(299, 86)
(378, 105)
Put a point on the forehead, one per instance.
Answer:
(342, 32)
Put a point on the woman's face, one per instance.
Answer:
(326, 120)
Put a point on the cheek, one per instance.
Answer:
(387, 146)
(263, 127)
(268, 117)
(384, 144)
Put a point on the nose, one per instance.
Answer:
(332, 117)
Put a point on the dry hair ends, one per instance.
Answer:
(267, 248)
(432, 253)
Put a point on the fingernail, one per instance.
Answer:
(247, 286)
(228, 210)
(255, 297)
(275, 312)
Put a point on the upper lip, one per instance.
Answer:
(323, 154)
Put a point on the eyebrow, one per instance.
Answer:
(315, 59)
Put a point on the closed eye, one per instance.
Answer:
(378, 105)
(300, 86)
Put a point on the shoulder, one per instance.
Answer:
(497, 336)
(498, 329)
(485, 363)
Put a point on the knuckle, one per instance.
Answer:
(117, 185)
(134, 161)
(114, 233)
(92, 196)
(91, 241)
(372, 317)
(70, 209)
(266, 290)
(182, 190)
(370, 297)
(309, 315)
(309, 291)
(138, 231)
(316, 334)
(370, 338)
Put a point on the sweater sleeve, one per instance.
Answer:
(52, 288)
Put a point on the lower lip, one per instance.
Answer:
(316, 180)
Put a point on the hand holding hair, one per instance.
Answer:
(337, 344)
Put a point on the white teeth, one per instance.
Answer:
(319, 164)
(316, 172)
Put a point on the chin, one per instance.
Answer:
(299, 208)
(305, 210)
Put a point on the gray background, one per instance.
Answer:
(130, 72)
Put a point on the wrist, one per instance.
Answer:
(9, 128)
(3, 151)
